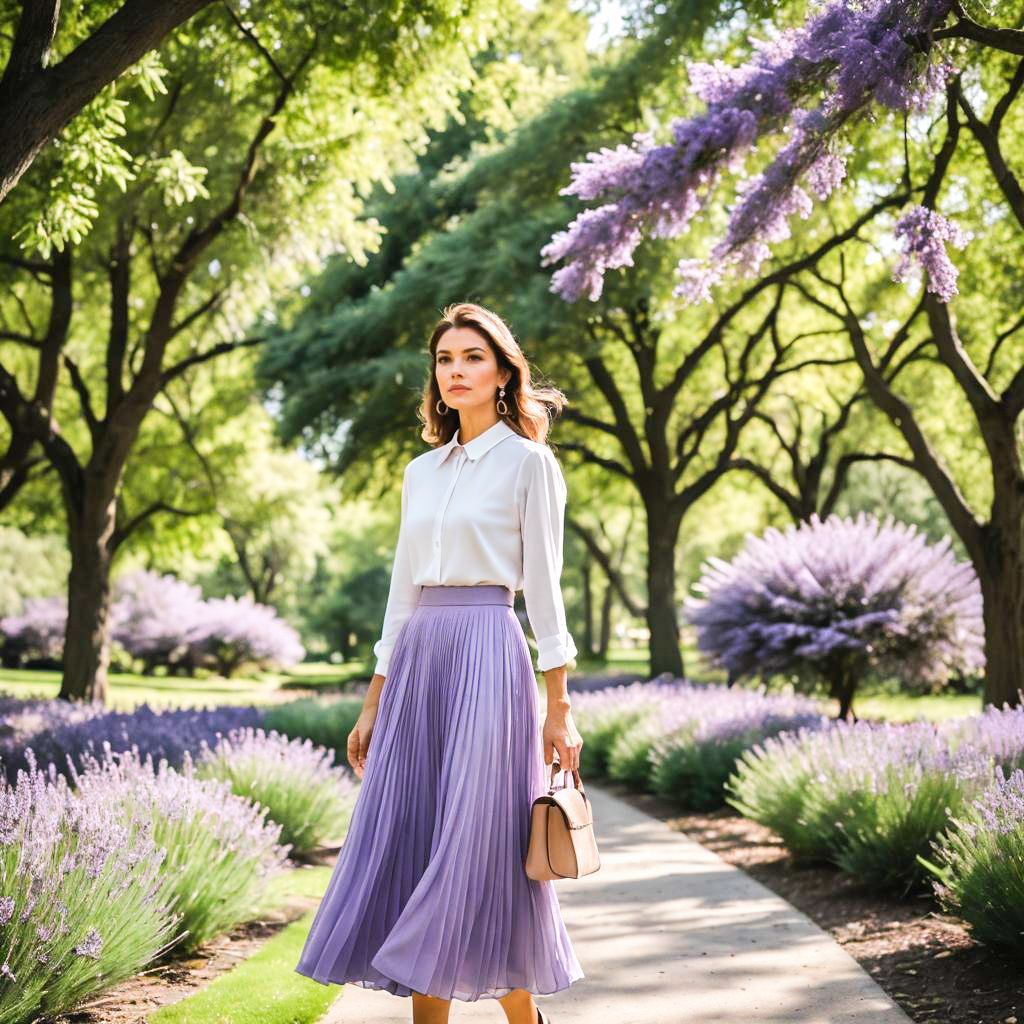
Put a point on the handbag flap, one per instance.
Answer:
(574, 806)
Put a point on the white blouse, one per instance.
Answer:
(488, 511)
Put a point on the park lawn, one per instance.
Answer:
(127, 690)
(264, 988)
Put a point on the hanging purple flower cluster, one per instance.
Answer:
(841, 597)
(853, 54)
(923, 235)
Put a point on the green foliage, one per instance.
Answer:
(326, 721)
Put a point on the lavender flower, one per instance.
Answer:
(294, 780)
(73, 870)
(849, 55)
(980, 864)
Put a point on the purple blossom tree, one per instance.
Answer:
(810, 83)
(838, 599)
(801, 94)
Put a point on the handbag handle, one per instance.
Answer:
(555, 769)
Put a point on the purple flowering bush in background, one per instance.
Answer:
(161, 620)
(220, 847)
(85, 899)
(870, 797)
(835, 600)
(37, 633)
(681, 739)
(57, 730)
(294, 780)
(812, 81)
(979, 862)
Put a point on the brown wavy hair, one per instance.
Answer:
(530, 408)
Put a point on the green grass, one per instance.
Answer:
(268, 688)
(264, 989)
(126, 690)
(904, 707)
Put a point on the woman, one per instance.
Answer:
(429, 897)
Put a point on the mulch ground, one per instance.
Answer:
(923, 959)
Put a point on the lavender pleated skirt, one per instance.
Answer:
(429, 893)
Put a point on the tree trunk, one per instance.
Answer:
(1001, 574)
(607, 603)
(665, 653)
(586, 578)
(86, 646)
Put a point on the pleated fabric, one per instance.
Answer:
(429, 893)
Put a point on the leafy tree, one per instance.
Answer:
(663, 401)
(322, 100)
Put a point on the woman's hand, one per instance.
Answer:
(561, 734)
(359, 738)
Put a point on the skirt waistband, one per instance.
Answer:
(478, 593)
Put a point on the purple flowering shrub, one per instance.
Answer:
(980, 864)
(869, 797)
(220, 847)
(36, 634)
(692, 761)
(161, 620)
(603, 715)
(835, 600)
(84, 897)
(294, 780)
(58, 729)
(811, 83)
(681, 739)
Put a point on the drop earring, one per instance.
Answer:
(437, 406)
(501, 402)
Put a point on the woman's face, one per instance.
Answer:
(467, 370)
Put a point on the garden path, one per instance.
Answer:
(669, 933)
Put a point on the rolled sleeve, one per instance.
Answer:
(542, 493)
(403, 594)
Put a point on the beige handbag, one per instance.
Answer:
(562, 842)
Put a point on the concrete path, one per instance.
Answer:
(669, 933)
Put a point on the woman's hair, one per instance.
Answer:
(530, 409)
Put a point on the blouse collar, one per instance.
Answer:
(480, 444)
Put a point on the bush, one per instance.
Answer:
(981, 864)
(220, 850)
(681, 739)
(293, 779)
(84, 899)
(59, 729)
(871, 797)
(839, 599)
(326, 721)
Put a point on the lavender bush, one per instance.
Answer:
(838, 599)
(293, 779)
(603, 715)
(84, 897)
(326, 721)
(813, 82)
(980, 864)
(36, 633)
(57, 729)
(162, 620)
(220, 847)
(681, 739)
(870, 797)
